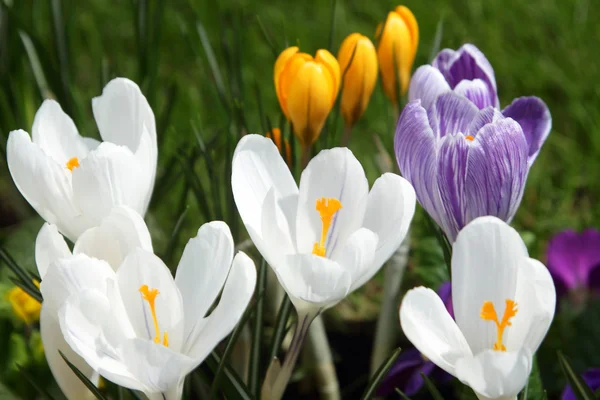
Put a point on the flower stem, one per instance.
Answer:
(304, 321)
(305, 156)
(347, 134)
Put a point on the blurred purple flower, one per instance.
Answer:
(406, 372)
(463, 162)
(574, 260)
(591, 377)
(467, 72)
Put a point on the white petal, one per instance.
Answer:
(49, 247)
(122, 112)
(427, 324)
(44, 183)
(536, 299)
(71, 275)
(55, 133)
(426, 84)
(315, 280)
(390, 209)
(495, 374)
(54, 341)
(334, 173)
(144, 268)
(257, 167)
(84, 317)
(202, 271)
(122, 231)
(234, 300)
(157, 367)
(276, 241)
(357, 256)
(485, 261)
(109, 177)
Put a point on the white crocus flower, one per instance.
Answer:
(503, 304)
(322, 239)
(140, 328)
(331, 235)
(122, 231)
(74, 181)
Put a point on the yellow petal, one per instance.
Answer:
(329, 61)
(287, 76)
(399, 38)
(309, 101)
(360, 76)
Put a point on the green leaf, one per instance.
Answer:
(435, 393)
(332, 26)
(401, 394)
(23, 278)
(234, 387)
(32, 381)
(255, 351)
(285, 309)
(533, 390)
(437, 40)
(581, 390)
(380, 374)
(214, 65)
(92, 388)
(267, 37)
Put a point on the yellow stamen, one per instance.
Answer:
(327, 207)
(150, 296)
(73, 163)
(469, 138)
(488, 313)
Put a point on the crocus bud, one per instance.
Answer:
(360, 75)
(306, 88)
(399, 38)
(275, 136)
(25, 307)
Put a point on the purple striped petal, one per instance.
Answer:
(497, 171)
(591, 377)
(467, 63)
(535, 120)
(426, 84)
(485, 116)
(451, 113)
(414, 144)
(572, 257)
(452, 162)
(478, 92)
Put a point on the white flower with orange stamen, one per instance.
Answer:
(503, 305)
(140, 328)
(74, 181)
(328, 236)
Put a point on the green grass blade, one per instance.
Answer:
(285, 309)
(437, 40)
(187, 163)
(214, 65)
(92, 388)
(267, 37)
(41, 391)
(433, 391)
(210, 168)
(581, 390)
(178, 225)
(332, 26)
(234, 387)
(62, 50)
(36, 66)
(401, 394)
(379, 375)
(255, 351)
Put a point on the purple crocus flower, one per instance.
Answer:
(591, 377)
(467, 72)
(406, 372)
(464, 156)
(574, 260)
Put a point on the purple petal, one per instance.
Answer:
(572, 257)
(497, 171)
(408, 361)
(445, 293)
(451, 178)
(535, 120)
(415, 147)
(591, 377)
(467, 63)
(426, 84)
(478, 92)
(415, 381)
(485, 116)
(451, 113)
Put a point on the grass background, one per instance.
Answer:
(546, 48)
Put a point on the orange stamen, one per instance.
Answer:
(469, 138)
(327, 207)
(150, 296)
(73, 163)
(488, 313)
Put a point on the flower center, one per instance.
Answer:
(150, 296)
(469, 138)
(72, 163)
(488, 313)
(327, 207)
